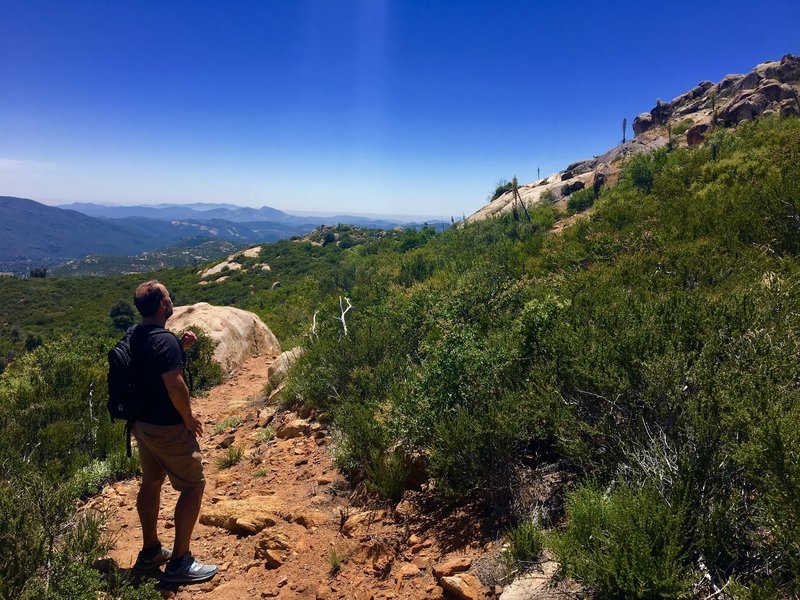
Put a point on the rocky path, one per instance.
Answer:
(283, 523)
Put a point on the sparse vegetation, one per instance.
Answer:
(264, 435)
(231, 457)
(335, 560)
(681, 126)
(226, 424)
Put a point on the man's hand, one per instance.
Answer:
(188, 339)
(194, 426)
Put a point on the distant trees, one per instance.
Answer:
(39, 272)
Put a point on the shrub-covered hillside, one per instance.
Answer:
(651, 348)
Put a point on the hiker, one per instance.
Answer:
(166, 432)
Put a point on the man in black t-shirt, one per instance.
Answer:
(166, 433)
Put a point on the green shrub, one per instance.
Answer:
(623, 544)
(581, 200)
(122, 315)
(53, 401)
(681, 126)
(90, 479)
(641, 169)
(203, 372)
(386, 475)
(335, 560)
(501, 188)
(525, 545)
(547, 198)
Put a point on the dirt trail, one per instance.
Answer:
(320, 540)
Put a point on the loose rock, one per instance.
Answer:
(452, 566)
(463, 587)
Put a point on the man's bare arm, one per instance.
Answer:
(179, 396)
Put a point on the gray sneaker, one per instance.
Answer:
(185, 569)
(152, 558)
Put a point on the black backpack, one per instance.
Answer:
(123, 401)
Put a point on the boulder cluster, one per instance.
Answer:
(771, 88)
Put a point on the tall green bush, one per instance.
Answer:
(623, 543)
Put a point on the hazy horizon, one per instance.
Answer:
(301, 213)
(357, 107)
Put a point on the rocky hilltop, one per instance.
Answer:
(771, 88)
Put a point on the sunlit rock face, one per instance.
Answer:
(239, 334)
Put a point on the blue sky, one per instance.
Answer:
(369, 106)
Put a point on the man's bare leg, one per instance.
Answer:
(187, 510)
(148, 502)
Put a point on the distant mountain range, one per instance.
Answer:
(227, 212)
(34, 234)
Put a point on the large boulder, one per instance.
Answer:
(239, 334)
(789, 69)
(774, 90)
(662, 112)
(696, 134)
(789, 108)
(748, 82)
(642, 123)
(572, 187)
(786, 69)
(745, 105)
(728, 82)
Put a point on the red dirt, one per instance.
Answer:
(388, 555)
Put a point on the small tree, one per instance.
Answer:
(328, 237)
(122, 315)
(39, 272)
(624, 128)
(501, 188)
(32, 342)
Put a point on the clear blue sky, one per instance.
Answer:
(379, 106)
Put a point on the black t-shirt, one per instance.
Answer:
(155, 352)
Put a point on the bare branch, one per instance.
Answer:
(344, 311)
(314, 324)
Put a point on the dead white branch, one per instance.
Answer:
(344, 311)
(314, 324)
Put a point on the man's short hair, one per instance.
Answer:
(148, 297)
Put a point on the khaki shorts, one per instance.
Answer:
(170, 450)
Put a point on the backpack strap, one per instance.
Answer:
(128, 429)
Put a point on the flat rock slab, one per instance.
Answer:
(247, 516)
(540, 584)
